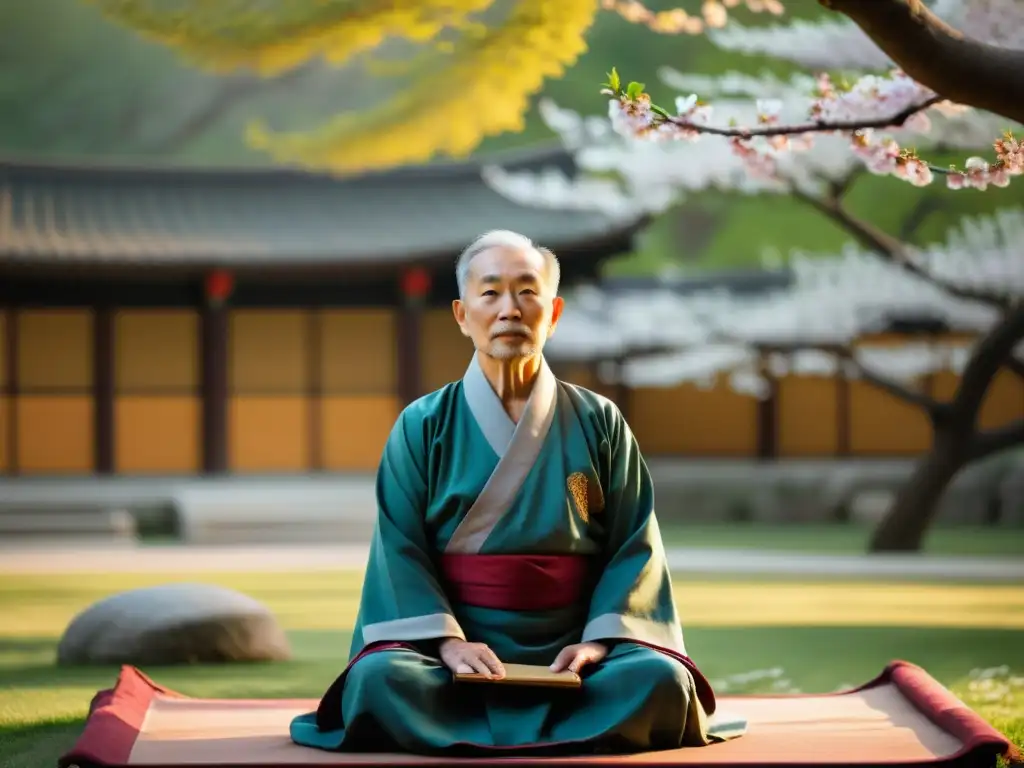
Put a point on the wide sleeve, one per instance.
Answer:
(402, 597)
(633, 598)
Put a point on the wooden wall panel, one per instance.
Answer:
(944, 384)
(157, 434)
(584, 376)
(268, 352)
(5, 426)
(1004, 403)
(357, 352)
(5, 367)
(579, 374)
(268, 434)
(156, 351)
(55, 350)
(445, 352)
(882, 425)
(355, 429)
(808, 418)
(690, 421)
(55, 434)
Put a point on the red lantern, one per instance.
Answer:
(416, 283)
(219, 285)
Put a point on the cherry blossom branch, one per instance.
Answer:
(834, 111)
(816, 126)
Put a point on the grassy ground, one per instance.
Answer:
(747, 635)
(839, 539)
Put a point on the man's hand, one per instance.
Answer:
(466, 658)
(575, 657)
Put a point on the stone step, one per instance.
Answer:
(21, 523)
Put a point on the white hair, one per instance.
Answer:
(504, 238)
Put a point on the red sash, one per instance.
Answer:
(517, 582)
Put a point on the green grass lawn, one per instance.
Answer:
(839, 539)
(748, 635)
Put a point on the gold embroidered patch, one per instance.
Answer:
(586, 493)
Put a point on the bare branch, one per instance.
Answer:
(996, 440)
(923, 207)
(940, 57)
(928, 404)
(1016, 365)
(934, 408)
(895, 252)
(838, 188)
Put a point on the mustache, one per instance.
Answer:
(514, 330)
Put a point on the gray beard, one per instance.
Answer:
(501, 351)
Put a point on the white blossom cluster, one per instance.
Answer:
(829, 301)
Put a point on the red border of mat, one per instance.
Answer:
(116, 716)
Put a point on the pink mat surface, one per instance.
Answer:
(902, 717)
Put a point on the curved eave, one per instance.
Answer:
(123, 216)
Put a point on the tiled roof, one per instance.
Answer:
(119, 214)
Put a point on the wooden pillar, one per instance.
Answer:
(415, 291)
(11, 353)
(407, 347)
(768, 414)
(842, 410)
(214, 346)
(217, 288)
(103, 389)
(315, 387)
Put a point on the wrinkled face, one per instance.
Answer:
(509, 310)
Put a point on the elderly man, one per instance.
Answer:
(516, 526)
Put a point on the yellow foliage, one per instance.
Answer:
(484, 91)
(230, 34)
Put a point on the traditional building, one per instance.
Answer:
(162, 321)
(168, 321)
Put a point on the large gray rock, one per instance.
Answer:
(174, 624)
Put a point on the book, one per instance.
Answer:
(526, 674)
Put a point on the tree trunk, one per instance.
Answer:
(904, 527)
(940, 57)
(956, 442)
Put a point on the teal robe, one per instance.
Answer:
(459, 477)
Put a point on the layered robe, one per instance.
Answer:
(528, 537)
